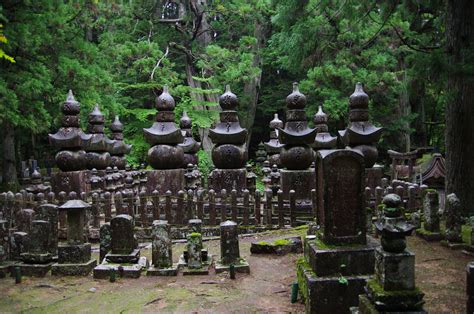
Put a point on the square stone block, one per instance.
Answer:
(398, 301)
(36, 258)
(228, 179)
(164, 180)
(428, 235)
(204, 270)
(69, 181)
(329, 295)
(78, 269)
(242, 267)
(34, 270)
(344, 260)
(74, 254)
(123, 258)
(395, 271)
(103, 270)
(302, 181)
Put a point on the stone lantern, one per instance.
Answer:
(74, 257)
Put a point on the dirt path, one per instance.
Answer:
(440, 274)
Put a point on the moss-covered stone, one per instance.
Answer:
(400, 300)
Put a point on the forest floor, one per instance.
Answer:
(440, 273)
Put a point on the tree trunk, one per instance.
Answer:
(417, 94)
(252, 87)
(459, 131)
(10, 178)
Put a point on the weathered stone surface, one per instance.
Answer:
(34, 270)
(430, 210)
(194, 248)
(4, 241)
(69, 254)
(164, 180)
(395, 271)
(121, 258)
(347, 261)
(76, 220)
(23, 219)
(340, 188)
(74, 269)
(105, 241)
(227, 179)
(162, 256)
(19, 243)
(39, 243)
(230, 253)
(329, 294)
(123, 239)
(49, 212)
(301, 181)
(71, 181)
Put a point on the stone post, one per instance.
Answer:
(194, 248)
(230, 253)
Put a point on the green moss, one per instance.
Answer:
(303, 269)
(302, 227)
(466, 234)
(281, 242)
(378, 290)
(195, 234)
(430, 190)
(424, 231)
(264, 243)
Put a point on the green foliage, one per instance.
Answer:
(205, 163)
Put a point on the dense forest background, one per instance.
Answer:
(119, 54)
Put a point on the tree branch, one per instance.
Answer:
(158, 63)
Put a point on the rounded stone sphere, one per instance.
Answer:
(274, 159)
(229, 156)
(71, 160)
(190, 159)
(370, 154)
(296, 157)
(118, 161)
(99, 161)
(228, 100)
(296, 100)
(165, 102)
(166, 157)
(394, 245)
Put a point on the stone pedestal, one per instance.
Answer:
(164, 180)
(374, 177)
(70, 181)
(74, 260)
(342, 273)
(228, 179)
(125, 255)
(395, 271)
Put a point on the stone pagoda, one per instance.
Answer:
(165, 155)
(296, 155)
(120, 149)
(339, 260)
(190, 146)
(323, 139)
(229, 154)
(362, 135)
(71, 158)
(273, 146)
(393, 288)
(97, 150)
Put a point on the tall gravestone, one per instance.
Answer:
(166, 156)
(341, 255)
(37, 260)
(230, 251)
(124, 255)
(74, 257)
(120, 148)
(162, 255)
(273, 146)
(296, 155)
(229, 154)
(70, 140)
(5, 264)
(190, 146)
